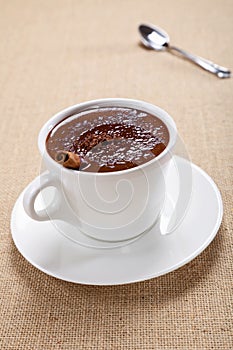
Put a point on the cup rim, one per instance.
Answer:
(100, 103)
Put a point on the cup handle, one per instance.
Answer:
(174, 214)
(32, 191)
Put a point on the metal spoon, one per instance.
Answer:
(155, 38)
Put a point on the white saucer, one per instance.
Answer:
(149, 256)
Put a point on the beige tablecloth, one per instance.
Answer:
(57, 53)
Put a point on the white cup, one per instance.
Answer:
(111, 206)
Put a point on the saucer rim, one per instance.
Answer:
(174, 267)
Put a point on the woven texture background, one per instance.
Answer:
(57, 53)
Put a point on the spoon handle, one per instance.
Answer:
(214, 68)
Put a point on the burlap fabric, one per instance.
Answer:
(58, 53)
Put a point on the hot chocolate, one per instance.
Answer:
(107, 139)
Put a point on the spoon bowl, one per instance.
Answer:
(153, 37)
